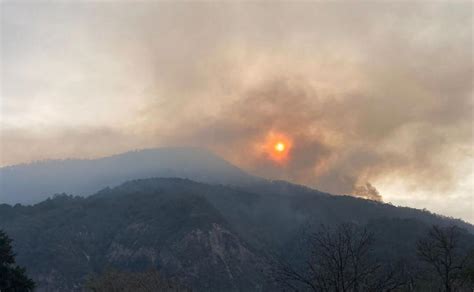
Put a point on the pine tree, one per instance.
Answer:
(12, 277)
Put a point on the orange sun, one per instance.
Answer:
(277, 147)
(280, 147)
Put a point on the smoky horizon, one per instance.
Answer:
(372, 99)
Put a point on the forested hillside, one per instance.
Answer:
(210, 237)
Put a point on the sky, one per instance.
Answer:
(372, 98)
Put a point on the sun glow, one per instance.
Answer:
(276, 147)
(280, 147)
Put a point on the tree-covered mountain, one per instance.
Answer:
(209, 237)
(32, 183)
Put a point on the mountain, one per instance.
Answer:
(32, 183)
(210, 237)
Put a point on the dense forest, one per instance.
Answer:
(214, 238)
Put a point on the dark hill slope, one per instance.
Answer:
(213, 238)
(64, 239)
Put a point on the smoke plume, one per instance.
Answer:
(375, 97)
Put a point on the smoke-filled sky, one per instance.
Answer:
(376, 98)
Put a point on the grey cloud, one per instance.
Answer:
(366, 91)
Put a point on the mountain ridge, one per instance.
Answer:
(85, 176)
(211, 237)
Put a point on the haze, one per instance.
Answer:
(376, 98)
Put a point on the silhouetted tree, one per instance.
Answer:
(12, 277)
(441, 249)
(340, 261)
(467, 275)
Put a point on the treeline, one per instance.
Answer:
(342, 259)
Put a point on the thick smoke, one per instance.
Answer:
(341, 140)
(367, 192)
(372, 95)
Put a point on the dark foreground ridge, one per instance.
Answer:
(210, 237)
